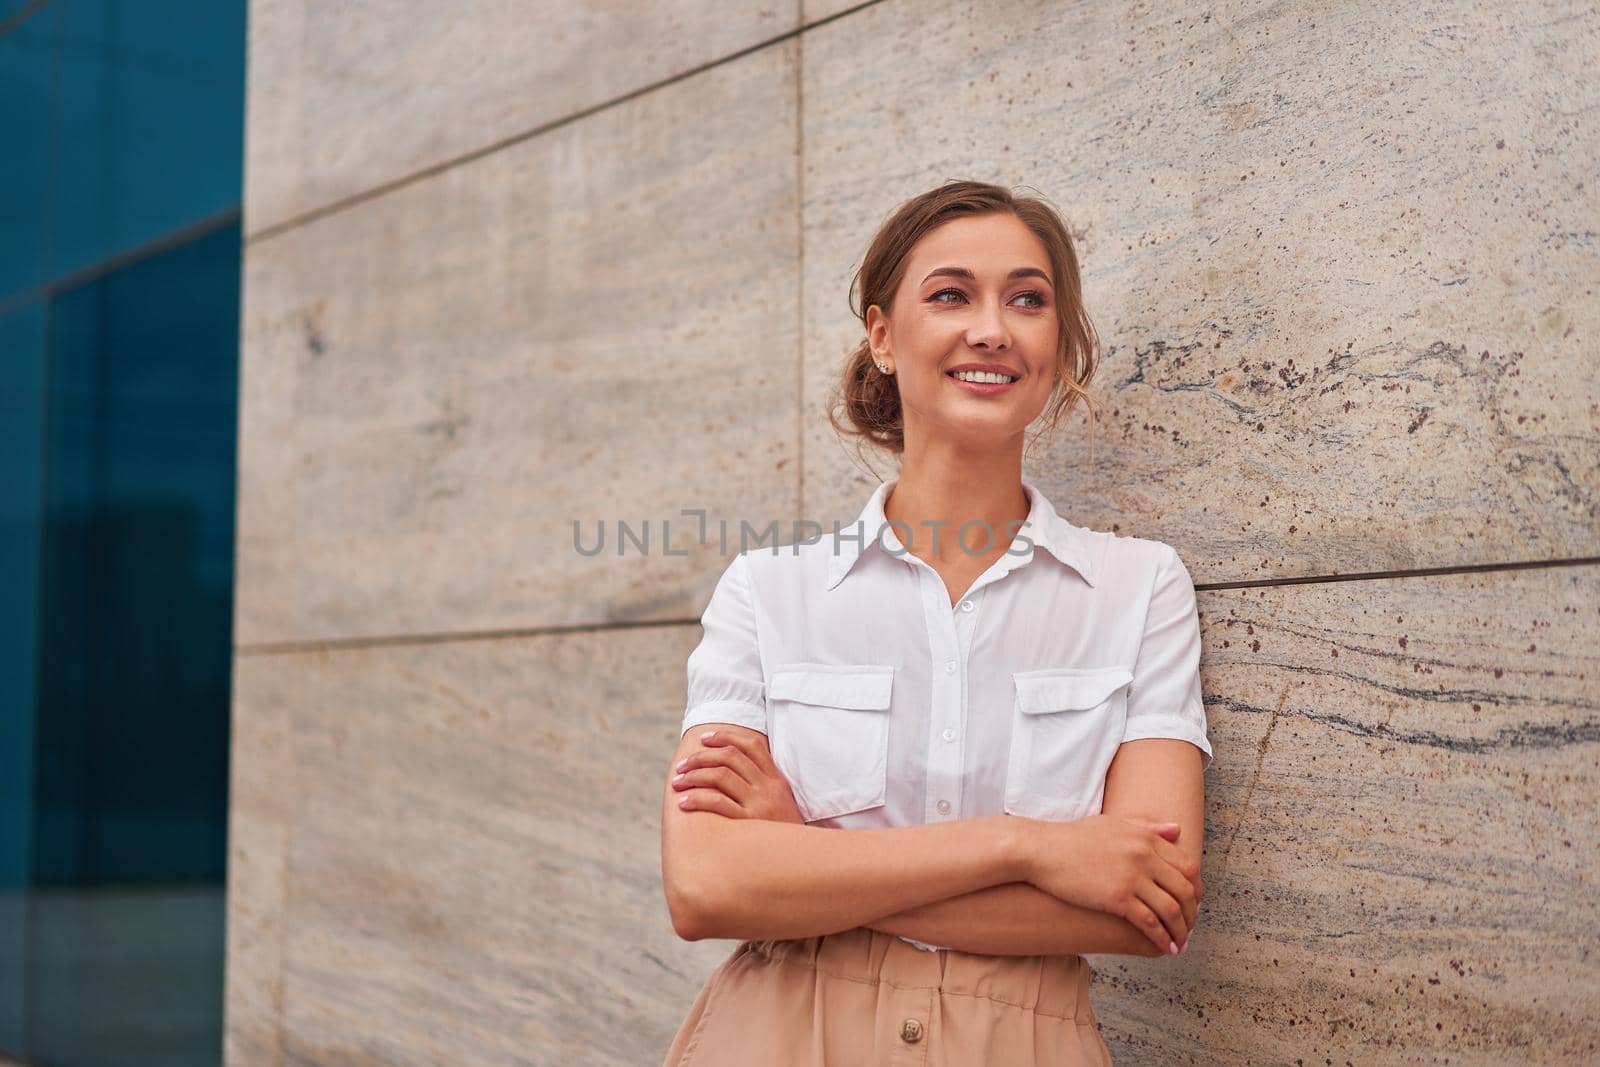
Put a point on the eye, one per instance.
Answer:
(934, 299)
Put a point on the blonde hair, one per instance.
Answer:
(865, 403)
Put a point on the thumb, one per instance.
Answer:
(1168, 830)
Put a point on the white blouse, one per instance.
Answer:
(886, 705)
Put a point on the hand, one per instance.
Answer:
(1126, 867)
(733, 775)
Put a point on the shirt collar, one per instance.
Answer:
(1045, 528)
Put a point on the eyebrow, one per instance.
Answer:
(963, 272)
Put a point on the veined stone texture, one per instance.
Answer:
(1400, 851)
(1342, 259)
(596, 325)
(448, 851)
(346, 98)
(512, 266)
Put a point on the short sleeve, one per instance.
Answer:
(1164, 697)
(726, 683)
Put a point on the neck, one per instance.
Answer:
(953, 492)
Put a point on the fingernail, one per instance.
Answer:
(679, 777)
(708, 735)
(1172, 947)
(1185, 948)
(681, 765)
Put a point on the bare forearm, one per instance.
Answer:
(759, 879)
(1017, 919)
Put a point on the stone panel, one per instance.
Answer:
(344, 98)
(817, 10)
(262, 813)
(450, 853)
(596, 324)
(1401, 846)
(1342, 260)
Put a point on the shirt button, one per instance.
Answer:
(949, 735)
(966, 605)
(911, 1031)
(944, 807)
(950, 666)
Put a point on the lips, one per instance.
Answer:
(988, 368)
(989, 377)
(980, 388)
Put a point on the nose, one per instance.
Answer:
(988, 330)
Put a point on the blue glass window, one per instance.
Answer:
(122, 133)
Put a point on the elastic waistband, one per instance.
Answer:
(1056, 985)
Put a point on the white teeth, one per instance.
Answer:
(986, 377)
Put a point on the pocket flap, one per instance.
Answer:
(1063, 688)
(864, 688)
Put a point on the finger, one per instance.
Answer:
(707, 778)
(1164, 888)
(1181, 890)
(755, 749)
(710, 800)
(720, 779)
(1178, 858)
(739, 759)
(1191, 908)
(1191, 911)
(1174, 870)
(1147, 922)
(732, 758)
(1167, 909)
(1168, 831)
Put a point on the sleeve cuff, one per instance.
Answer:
(737, 712)
(1170, 726)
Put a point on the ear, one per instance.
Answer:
(877, 332)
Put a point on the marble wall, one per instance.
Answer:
(512, 267)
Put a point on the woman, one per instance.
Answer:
(1002, 706)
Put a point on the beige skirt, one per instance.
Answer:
(862, 996)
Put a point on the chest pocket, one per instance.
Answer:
(830, 735)
(1066, 726)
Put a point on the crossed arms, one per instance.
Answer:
(961, 884)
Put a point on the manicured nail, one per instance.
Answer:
(683, 802)
(1185, 948)
(708, 735)
(682, 764)
(679, 777)
(1172, 947)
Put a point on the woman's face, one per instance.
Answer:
(977, 291)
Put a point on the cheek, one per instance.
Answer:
(931, 335)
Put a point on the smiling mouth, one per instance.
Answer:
(976, 377)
